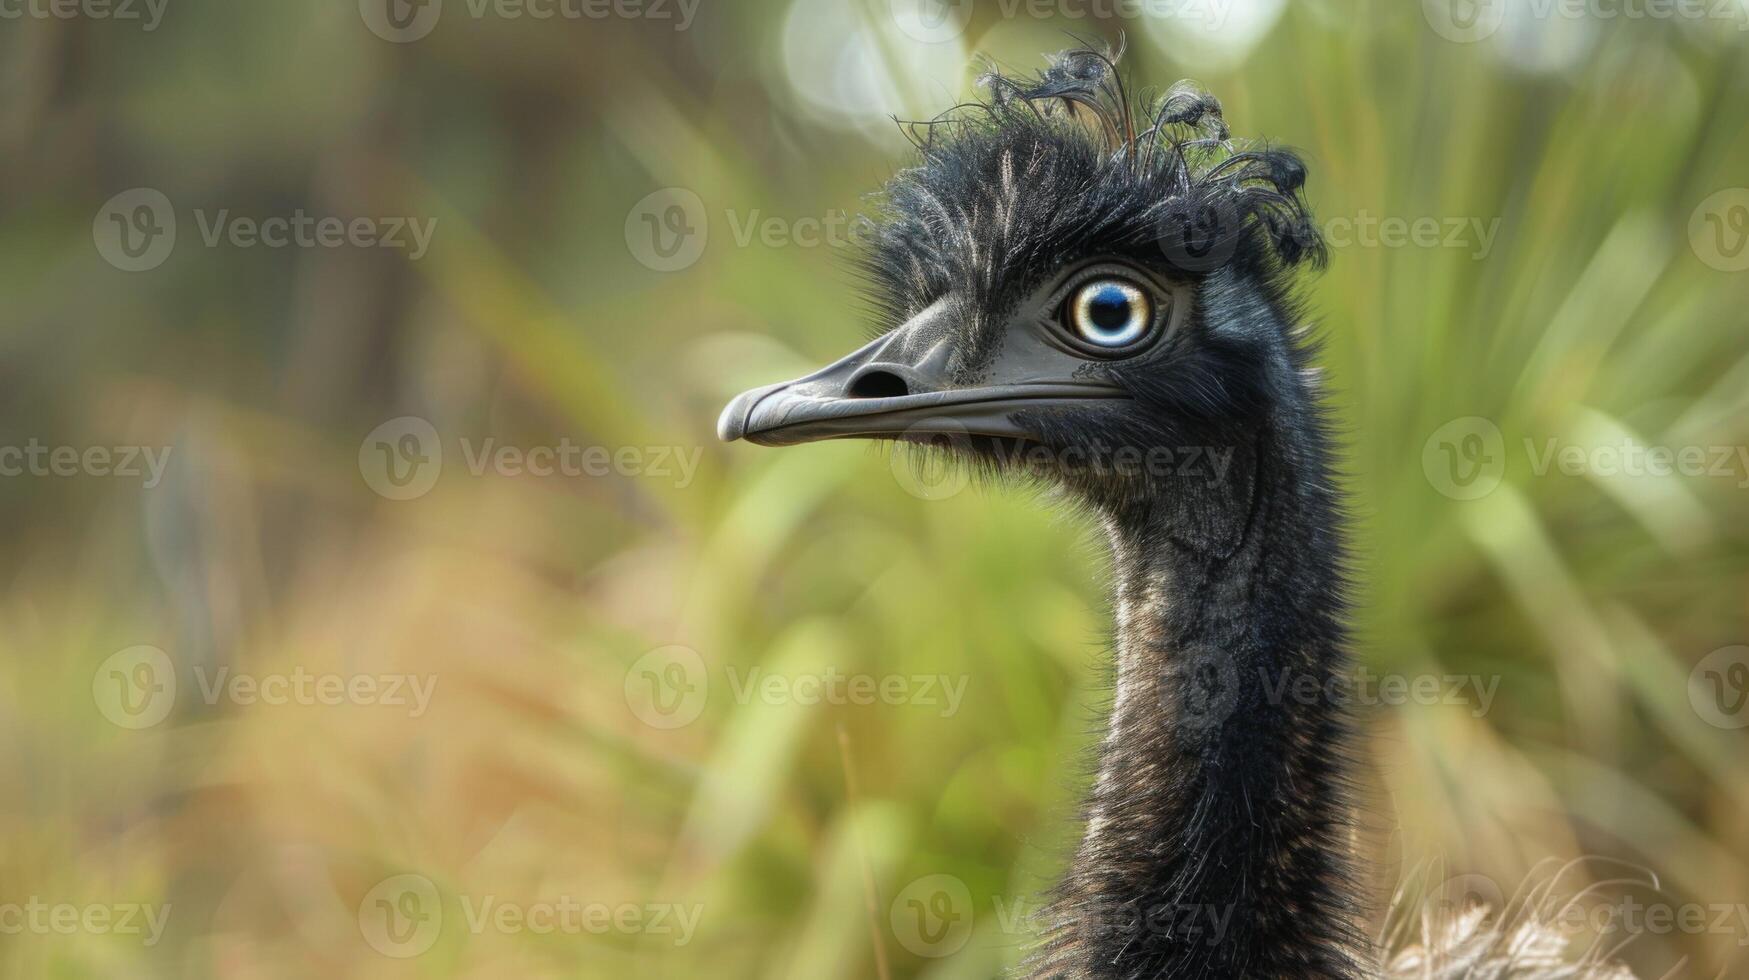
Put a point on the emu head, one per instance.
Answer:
(1070, 288)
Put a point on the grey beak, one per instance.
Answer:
(898, 386)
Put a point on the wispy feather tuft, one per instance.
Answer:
(1050, 167)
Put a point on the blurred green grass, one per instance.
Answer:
(529, 600)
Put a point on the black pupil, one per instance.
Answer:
(1110, 309)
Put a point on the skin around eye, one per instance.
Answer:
(1110, 313)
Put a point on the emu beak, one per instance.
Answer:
(899, 386)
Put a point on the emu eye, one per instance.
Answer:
(1110, 313)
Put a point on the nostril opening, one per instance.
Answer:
(879, 384)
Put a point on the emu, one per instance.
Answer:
(1095, 294)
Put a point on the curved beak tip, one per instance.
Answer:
(732, 424)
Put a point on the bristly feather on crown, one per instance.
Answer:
(1185, 155)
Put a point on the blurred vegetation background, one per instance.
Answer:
(592, 735)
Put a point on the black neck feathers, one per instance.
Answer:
(1217, 825)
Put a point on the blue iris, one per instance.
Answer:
(1111, 313)
(1109, 308)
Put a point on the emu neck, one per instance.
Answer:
(1217, 825)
